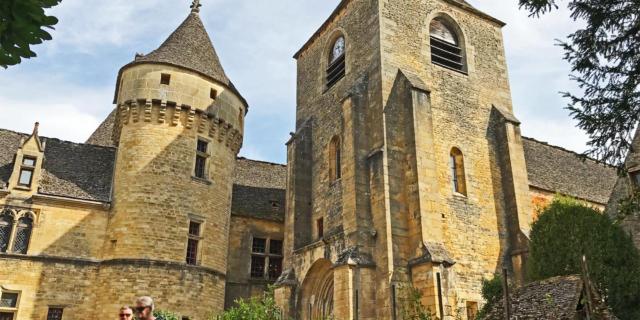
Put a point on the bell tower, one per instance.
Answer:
(179, 127)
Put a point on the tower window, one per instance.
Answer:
(201, 159)
(165, 78)
(457, 172)
(335, 170)
(213, 94)
(26, 172)
(193, 242)
(336, 69)
(266, 258)
(320, 227)
(446, 50)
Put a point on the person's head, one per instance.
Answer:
(126, 313)
(144, 308)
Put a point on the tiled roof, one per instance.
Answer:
(190, 47)
(260, 174)
(103, 135)
(72, 170)
(259, 190)
(554, 298)
(261, 203)
(558, 170)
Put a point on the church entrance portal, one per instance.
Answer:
(317, 292)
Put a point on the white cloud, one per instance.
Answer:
(69, 86)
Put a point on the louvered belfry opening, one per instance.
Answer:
(336, 69)
(445, 46)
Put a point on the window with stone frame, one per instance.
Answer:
(336, 67)
(446, 47)
(202, 155)
(472, 310)
(266, 258)
(9, 304)
(457, 172)
(335, 167)
(320, 227)
(26, 171)
(23, 235)
(193, 242)
(6, 229)
(55, 313)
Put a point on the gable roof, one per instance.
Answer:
(72, 170)
(559, 170)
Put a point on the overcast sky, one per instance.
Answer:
(69, 86)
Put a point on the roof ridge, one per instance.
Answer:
(262, 161)
(56, 139)
(569, 151)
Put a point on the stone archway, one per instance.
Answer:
(317, 292)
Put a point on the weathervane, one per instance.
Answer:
(195, 6)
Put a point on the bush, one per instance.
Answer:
(568, 229)
(256, 308)
(411, 307)
(165, 315)
(491, 293)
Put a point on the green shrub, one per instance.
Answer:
(565, 231)
(165, 315)
(256, 308)
(491, 293)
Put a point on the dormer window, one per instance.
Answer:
(26, 172)
(446, 48)
(336, 69)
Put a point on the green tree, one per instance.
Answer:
(565, 231)
(604, 61)
(491, 293)
(256, 308)
(22, 24)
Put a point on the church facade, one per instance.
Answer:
(406, 170)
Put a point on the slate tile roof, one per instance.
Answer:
(558, 170)
(259, 190)
(72, 170)
(555, 298)
(103, 135)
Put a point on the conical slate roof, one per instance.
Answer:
(190, 47)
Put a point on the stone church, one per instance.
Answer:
(406, 168)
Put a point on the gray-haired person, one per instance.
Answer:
(144, 308)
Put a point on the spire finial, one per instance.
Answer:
(195, 6)
(35, 128)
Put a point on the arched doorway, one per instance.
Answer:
(317, 292)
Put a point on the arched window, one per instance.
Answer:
(6, 228)
(23, 235)
(336, 66)
(457, 172)
(335, 170)
(446, 48)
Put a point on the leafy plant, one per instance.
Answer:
(565, 231)
(411, 307)
(256, 308)
(21, 25)
(165, 315)
(491, 293)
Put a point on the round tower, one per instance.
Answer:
(178, 131)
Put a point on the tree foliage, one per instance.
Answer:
(565, 231)
(411, 307)
(22, 24)
(491, 293)
(256, 308)
(165, 315)
(605, 64)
